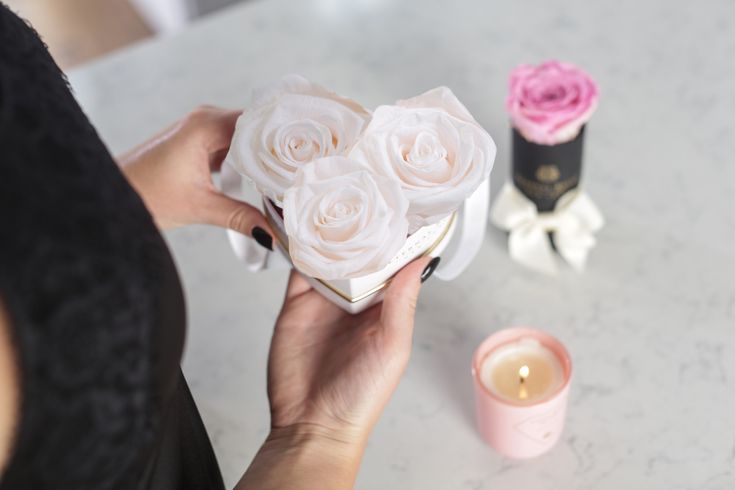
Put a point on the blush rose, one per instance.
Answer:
(549, 103)
(434, 147)
(342, 220)
(289, 124)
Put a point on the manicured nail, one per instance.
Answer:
(262, 237)
(430, 269)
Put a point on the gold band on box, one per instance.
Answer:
(283, 242)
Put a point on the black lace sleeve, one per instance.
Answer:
(95, 303)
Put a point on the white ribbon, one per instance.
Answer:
(573, 223)
(468, 235)
(255, 257)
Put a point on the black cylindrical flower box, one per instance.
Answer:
(544, 173)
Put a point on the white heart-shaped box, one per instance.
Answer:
(456, 238)
(355, 295)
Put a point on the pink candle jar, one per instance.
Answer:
(521, 378)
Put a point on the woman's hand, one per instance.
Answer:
(330, 374)
(172, 172)
(336, 371)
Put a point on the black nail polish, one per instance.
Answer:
(262, 237)
(430, 269)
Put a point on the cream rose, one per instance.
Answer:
(342, 220)
(291, 123)
(434, 147)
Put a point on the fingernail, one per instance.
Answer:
(262, 237)
(430, 269)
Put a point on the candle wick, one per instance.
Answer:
(523, 373)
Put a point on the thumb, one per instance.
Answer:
(226, 212)
(399, 303)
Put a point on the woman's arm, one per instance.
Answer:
(9, 397)
(304, 458)
(330, 374)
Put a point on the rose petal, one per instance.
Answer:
(342, 220)
(434, 147)
(550, 102)
(292, 122)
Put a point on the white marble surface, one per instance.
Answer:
(650, 325)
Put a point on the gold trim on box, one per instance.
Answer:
(282, 241)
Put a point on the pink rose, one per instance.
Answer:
(549, 103)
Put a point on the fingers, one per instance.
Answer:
(297, 285)
(312, 307)
(216, 127)
(222, 128)
(399, 303)
(217, 158)
(225, 212)
(213, 128)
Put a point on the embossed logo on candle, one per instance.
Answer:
(537, 428)
(548, 173)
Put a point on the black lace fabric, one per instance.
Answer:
(96, 309)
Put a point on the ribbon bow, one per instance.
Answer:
(573, 223)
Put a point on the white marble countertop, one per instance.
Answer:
(650, 325)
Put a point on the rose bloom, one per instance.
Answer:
(342, 220)
(291, 123)
(434, 147)
(550, 103)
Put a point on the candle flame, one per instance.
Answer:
(523, 372)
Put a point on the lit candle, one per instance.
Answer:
(522, 380)
(523, 371)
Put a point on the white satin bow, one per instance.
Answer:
(573, 223)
